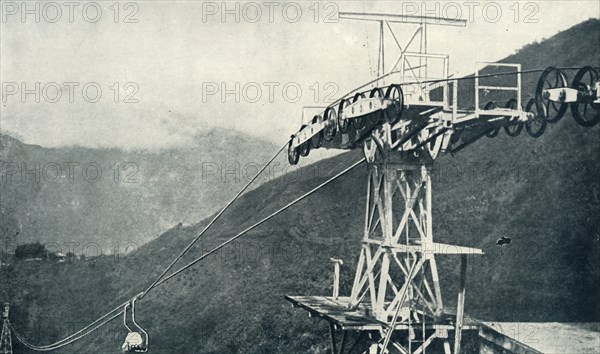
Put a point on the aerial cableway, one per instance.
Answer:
(401, 120)
(418, 120)
(137, 340)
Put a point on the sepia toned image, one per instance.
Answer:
(326, 177)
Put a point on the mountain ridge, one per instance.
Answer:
(44, 187)
(543, 193)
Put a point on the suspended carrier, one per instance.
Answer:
(136, 340)
(395, 304)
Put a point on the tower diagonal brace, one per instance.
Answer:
(397, 235)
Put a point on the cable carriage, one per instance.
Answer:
(136, 341)
(418, 109)
(356, 119)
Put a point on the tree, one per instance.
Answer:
(71, 257)
(9, 230)
(30, 250)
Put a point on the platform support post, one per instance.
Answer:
(460, 308)
(339, 349)
(336, 277)
(332, 335)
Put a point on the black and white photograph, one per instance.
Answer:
(291, 177)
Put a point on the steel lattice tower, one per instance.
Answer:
(5, 338)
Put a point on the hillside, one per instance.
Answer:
(105, 200)
(543, 193)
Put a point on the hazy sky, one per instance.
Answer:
(171, 60)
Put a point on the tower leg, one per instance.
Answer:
(460, 307)
(5, 339)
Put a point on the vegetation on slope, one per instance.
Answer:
(105, 200)
(544, 194)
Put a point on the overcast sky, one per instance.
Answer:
(170, 61)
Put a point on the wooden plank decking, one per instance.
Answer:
(337, 312)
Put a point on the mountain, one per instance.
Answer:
(108, 200)
(543, 193)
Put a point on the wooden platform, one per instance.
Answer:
(490, 337)
(337, 312)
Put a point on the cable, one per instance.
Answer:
(55, 346)
(68, 339)
(84, 332)
(531, 71)
(212, 221)
(161, 279)
(75, 336)
(262, 221)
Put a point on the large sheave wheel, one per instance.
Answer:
(394, 93)
(304, 149)
(343, 125)
(549, 110)
(514, 129)
(293, 156)
(535, 127)
(376, 93)
(317, 139)
(330, 118)
(359, 122)
(585, 111)
(492, 132)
